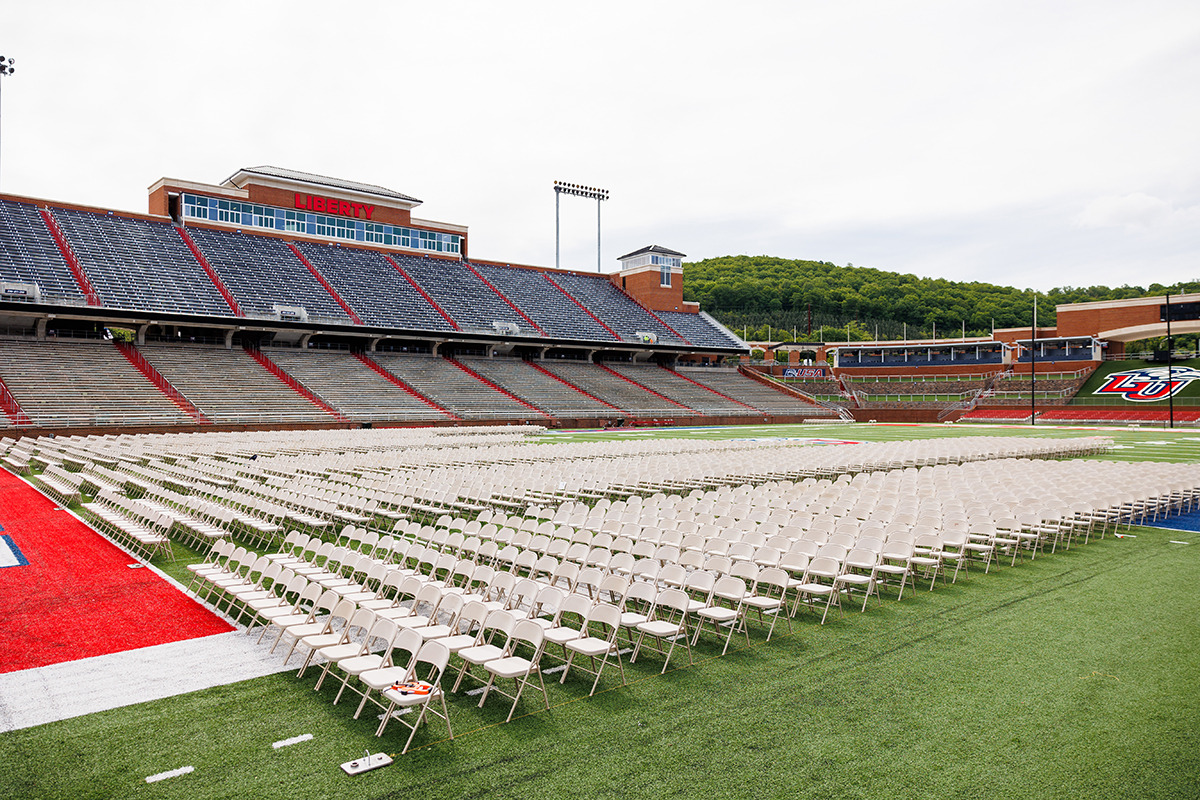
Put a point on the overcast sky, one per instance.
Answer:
(1035, 144)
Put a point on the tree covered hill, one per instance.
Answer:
(756, 291)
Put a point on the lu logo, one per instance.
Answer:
(1147, 385)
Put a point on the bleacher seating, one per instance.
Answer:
(621, 393)
(675, 387)
(262, 271)
(452, 388)
(997, 415)
(553, 311)
(71, 383)
(615, 308)
(139, 264)
(373, 288)
(539, 389)
(28, 254)
(228, 385)
(1111, 414)
(747, 390)
(350, 386)
(467, 300)
(698, 330)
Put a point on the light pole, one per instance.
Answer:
(6, 67)
(576, 190)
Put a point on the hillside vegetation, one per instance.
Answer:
(757, 291)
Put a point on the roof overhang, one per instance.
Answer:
(293, 181)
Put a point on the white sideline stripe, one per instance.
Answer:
(553, 670)
(304, 737)
(174, 773)
(625, 652)
(474, 692)
(1173, 541)
(55, 692)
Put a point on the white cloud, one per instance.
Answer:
(1135, 213)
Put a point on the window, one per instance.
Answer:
(276, 219)
(664, 275)
(295, 222)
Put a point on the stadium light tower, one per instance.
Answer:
(576, 190)
(6, 67)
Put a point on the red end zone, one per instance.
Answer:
(76, 597)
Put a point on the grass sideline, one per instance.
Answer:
(1071, 676)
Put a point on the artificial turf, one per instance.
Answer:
(1074, 675)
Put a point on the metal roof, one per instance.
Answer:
(322, 180)
(654, 248)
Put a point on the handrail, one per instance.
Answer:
(296, 386)
(81, 278)
(134, 356)
(11, 408)
(771, 380)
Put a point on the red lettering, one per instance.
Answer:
(369, 210)
(301, 200)
(317, 204)
(344, 209)
(357, 209)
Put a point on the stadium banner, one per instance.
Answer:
(804, 372)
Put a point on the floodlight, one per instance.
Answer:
(577, 190)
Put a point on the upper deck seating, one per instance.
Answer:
(262, 271)
(698, 330)
(139, 264)
(467, 300)
(350, 386)
(229, 385)
(70, 382)
(28, 253)
(600, 383)
(537, 388)
(377, 292)
(452, 388)
(553, 311)
(618, 310)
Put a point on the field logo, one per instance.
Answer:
(1147, 385)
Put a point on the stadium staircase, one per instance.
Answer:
(570, 385)
(298, 387)
(497, 387)
(81, 278)
(326, 285)
(646, 388)
(378, 368)
(659, 319)
(768, 380)
(503, 297)
(680, 375)
(212, 273)
(11, 408)
(154, 376)
(423, 293)
(582, 307)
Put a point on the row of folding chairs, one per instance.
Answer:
(132, 523)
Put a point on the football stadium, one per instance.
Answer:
(303, 498)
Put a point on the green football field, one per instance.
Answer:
(1076, 675)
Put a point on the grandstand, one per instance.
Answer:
(281, 297)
